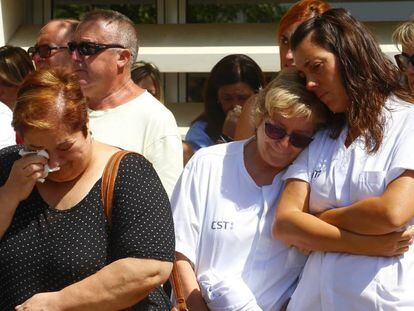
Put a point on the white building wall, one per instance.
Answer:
(11, 18)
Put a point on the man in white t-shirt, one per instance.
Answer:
(7, 134)
(121, 113)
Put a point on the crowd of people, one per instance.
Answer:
(291, 195)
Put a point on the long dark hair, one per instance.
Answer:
(229, 70)
(368, 75)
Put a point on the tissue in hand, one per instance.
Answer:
(42, 153)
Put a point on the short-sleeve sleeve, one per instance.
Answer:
(142, 225)
(187, 207)
(299, 169)
(7, 157)
(197, 137)
(401, 157)
(304, 164)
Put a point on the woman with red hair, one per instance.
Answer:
(57, 250)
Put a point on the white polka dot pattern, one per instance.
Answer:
(45, 249)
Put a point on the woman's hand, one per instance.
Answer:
(392, 244)
(23, 176)
(230, 123)
(41, 302)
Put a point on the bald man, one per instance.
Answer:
(51, 49)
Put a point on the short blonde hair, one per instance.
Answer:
(288, 97)
(404, 34)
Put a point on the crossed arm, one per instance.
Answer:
(377, 215)
(295, 226)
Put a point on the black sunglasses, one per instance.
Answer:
(403, 60)
(43, 50)
(91, 48)
(297, 140)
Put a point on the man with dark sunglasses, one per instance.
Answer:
(404, 36)
(51, 49)
(121, 113)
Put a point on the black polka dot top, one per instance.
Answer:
(45, 249)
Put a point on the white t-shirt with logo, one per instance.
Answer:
(7, 134)
(340, 176)
(223, 224)
(146, 126)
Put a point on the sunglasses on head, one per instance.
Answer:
(403, 60)
(91, 48)
(296, 140)
(44, 50)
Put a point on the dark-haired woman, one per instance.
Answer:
(356, 177)
(232, 81)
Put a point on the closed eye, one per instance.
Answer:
(65, 146)
(316, 67)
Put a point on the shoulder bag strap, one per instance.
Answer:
(175, 280)
(108, 182)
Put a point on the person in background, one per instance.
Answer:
(51, 49)
(121, 113)
(404, 36)
(57, 249)
(232, 81)
(15, 65)
(147, 76)
(355, 177)
(299, 12)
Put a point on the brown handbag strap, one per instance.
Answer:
(175, 280)
(108, 182)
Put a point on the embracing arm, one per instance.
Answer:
(191, 289)
(296, 227)
(115, 287)
(377, 215)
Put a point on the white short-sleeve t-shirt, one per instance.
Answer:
(223, 226)
(146, 126)
(340, 176)
(7, 134)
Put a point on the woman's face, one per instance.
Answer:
(321, 69)
(410, 69)
(148, 84)
(286, 56)
(69, 151)
(281, 152)
(232, 95)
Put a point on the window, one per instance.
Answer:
(139, 11)
(208, 11)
